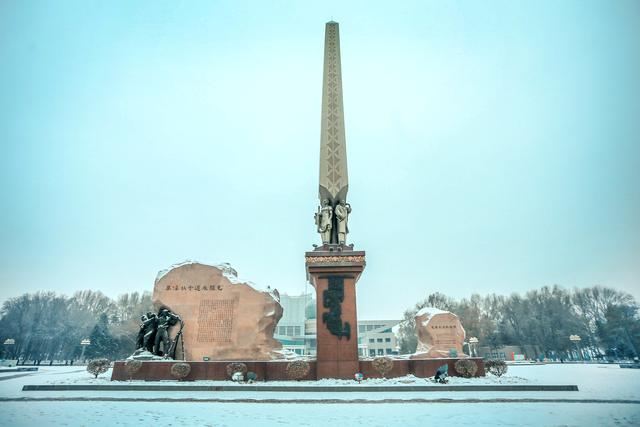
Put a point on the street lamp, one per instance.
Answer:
(576, 339)
(84, 343)
(472, 348)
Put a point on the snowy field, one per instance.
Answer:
(608, 396)
(265, 414)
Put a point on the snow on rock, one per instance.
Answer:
(227, 270)
(164, 272)
(225, 267)
(429, 312)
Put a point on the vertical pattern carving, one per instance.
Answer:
(333, 159)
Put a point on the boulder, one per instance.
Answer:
(224, 317)
(439, 332)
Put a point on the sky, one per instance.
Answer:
(493, 147)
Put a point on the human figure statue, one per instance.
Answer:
(149, 326)
(342, 211)
(140, 338)
(323, 221)
(166, 319)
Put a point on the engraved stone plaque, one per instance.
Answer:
(215, 320)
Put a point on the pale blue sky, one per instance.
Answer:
(493, 146)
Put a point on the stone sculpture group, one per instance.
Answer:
(154, 333)
(329, 219)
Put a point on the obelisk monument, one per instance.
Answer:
(334, 268)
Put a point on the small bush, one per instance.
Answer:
(98, 366)
(496, 367)
(467, 368)
(234, 367)
(180, 370)
(382, 365)
(298, 369)
(132, 366)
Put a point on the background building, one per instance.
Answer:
(297, 329)
(291, 329)
(376, 338)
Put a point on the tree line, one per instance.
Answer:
(46, 326)
(607, 321)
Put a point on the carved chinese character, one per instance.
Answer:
(332, 299)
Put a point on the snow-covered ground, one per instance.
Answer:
(593, 381)
(607, 383)
(315, 415)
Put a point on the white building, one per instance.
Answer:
(291, 330)
(376, 338)
(297, 329)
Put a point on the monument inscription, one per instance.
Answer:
(215, 320)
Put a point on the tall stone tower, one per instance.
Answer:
(334, 210)
(334, 268)
(334, 179)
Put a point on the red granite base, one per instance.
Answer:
(276, 370)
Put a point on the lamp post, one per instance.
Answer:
(473, 342)
(84, 343)
(8, 343)
(576, 339)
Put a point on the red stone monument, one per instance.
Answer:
(334, 276)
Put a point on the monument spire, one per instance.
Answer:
(334, 181)
(332, 215)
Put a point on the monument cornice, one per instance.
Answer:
(335, 259)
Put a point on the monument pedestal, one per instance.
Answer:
(333, 270)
